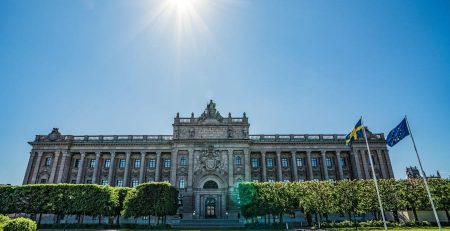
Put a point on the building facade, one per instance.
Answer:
(206, 157)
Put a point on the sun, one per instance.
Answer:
(182, 6)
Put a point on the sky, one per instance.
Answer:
(110, 67)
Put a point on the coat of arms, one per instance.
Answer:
(210, 160)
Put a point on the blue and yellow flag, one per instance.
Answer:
(356, 133)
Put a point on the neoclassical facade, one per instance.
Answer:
(206, 157)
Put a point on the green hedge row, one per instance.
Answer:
(346, 197)
(89, 199)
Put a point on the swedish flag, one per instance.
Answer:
(356, 133)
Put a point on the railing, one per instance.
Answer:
(107, 138)
(232, 120)
(309, 137)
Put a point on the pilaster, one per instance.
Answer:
(158, 166)
(27, 173)
(111, 169)
(339, 166)
(62, 169)
(263, 165)
(173, 167)
(97, 163)
(324, 164)
(247, 164)
(37, 165)
(308, 165)
(127, 168)
(294, 165)
(142, 168)
(54, 165)
(80, 167)
(279, 170)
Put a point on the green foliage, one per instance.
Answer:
(3, 220)
(20, 224)
(158, 199)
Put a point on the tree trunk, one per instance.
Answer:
(273, 219)
(281, 218)
(448, 215)
(349, 216)
(118, 220)
(40, 217)
(265, 219)
(99, 219)
(309, 219)
(415, 215)
(395, 212)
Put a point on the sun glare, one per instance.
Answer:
(182, 6)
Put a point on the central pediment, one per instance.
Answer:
(210, 125)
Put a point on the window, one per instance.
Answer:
(152, 163)
(43, 181)
(343, 162)
(255, 163)
(269, 163)
(119, 183)
(182, 183)
(299, 162)
(88, 181)
(151, 179)
(167, 163)
(107, 163)
(134, 183)
(314, 162)
(77, 163)
(183, 161)
(92, 163)
(284, 163)
(137, 163)
(121, 163)
(48, 161)
(238, 160)
(73, 181)
(329, 162)
(271, 180)
(104, 182)
(255, 181)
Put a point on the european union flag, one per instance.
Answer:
(356, 133)
(398, 133)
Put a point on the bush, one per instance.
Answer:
(20, 224)
(3, 220)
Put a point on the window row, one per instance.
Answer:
(122, 162)
(299, 162)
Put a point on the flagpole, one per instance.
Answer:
(424, 176)
(374, 176)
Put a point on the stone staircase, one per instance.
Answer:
(208, 224)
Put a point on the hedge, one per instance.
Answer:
(20, 224)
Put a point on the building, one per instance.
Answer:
(413, 173)
(206, 157)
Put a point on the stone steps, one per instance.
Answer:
(208, 224)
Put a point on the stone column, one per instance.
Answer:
(280, 174)
(310, 171)
(54, 165)
(366, 165)
(27, 173)
(388, 163)
(381, 164)
(355, 155)
(263, 164)
(294, 165)
(111, 169)
(158, 166)
(97, 163)
(127, 168)
(230, 169)
(80, 167)
(341, 173)
(247, 164)
(324, 164)
(142, 169)
(37, 165)
(190, 169)
(173, 168)
(64, 159)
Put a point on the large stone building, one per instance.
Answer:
(205, 158)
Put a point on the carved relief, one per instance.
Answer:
(210, 161)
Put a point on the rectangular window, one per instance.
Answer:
(255, 163)
(314, 162)
(134, 183)
(88, 181)
(107, 163)
(284, 162)
(73, 181)
(119, 183)
(92, 163)
(137, 163)
(269, 163)
(43, 181)
(343, 162)
(48, 161)
(238, 160)
(151, 179)
(329, 162)
(167, 163)
(299, 162)
(255, 181)
(183, 161)
(152, 163)
(104, 182)
(77, 163)
(182, 183)
(121, 163)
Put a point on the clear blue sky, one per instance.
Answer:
(127, 67)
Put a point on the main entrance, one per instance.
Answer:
(210, 208)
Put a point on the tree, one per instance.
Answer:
(440, 191)
(412, 195)
(345, 199)
(315, 197)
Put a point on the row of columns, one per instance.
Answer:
(384, 165)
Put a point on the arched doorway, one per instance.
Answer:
(210, 208)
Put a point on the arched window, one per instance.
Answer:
(210, 185)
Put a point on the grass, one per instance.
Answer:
(396, 228)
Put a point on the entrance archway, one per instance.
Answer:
(210, 208)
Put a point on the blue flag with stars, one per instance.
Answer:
(398, 133)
